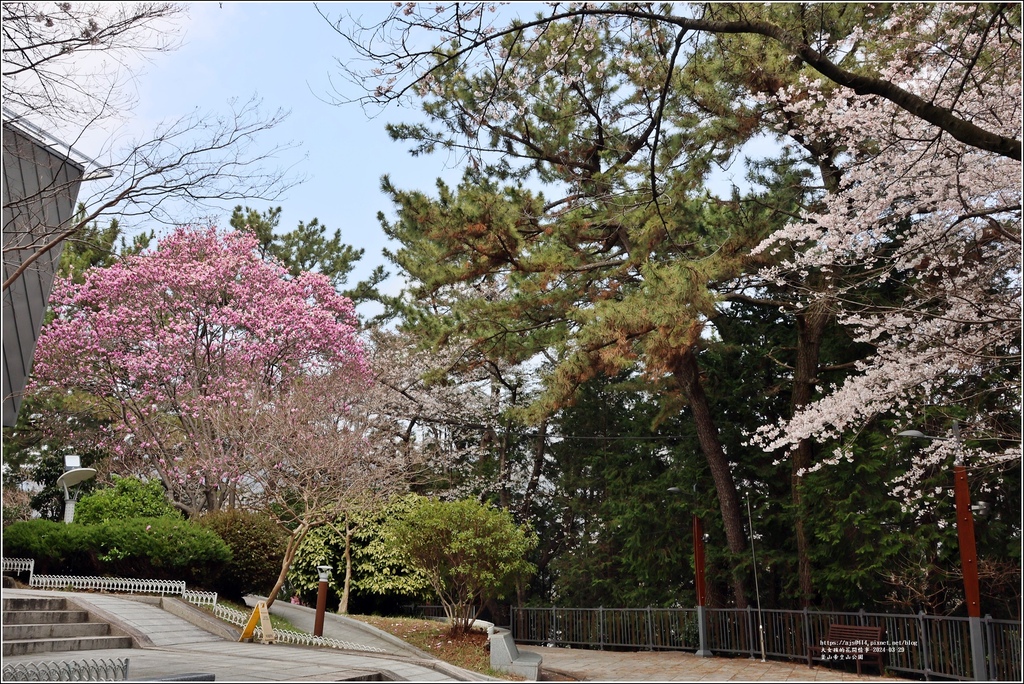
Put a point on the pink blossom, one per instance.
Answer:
(198, 324)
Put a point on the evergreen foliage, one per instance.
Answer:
(149, 548)
(257, 546)
(127, 498)
(381, 573)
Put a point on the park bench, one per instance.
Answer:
(858, 643)
(507, 658)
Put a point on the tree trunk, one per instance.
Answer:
(294, 540)
(343, 606)
(212, 499)
(810, 326)
(538, 464)
(687, 375)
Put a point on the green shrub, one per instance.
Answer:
(161, 548)
(58, 549)
(127, 498)
(257, 546)
(468, 551)
(146, 548)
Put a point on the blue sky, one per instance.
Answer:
(286, 54)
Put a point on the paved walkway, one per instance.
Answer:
(676, 666)
(170, 645)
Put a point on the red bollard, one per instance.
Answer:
(321, 599)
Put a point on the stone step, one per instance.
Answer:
(25, 647)
(16, 632)
(38, 617)
(48, 625)
(34, 603)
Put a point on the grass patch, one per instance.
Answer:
(468, 652)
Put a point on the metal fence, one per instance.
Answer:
(927, 645)
(287, 636)
(128, 585)
(19, 565)
(648, 628)
(98, 670)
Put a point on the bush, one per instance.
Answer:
(146, 548)
(58, 549)
(127, 498)
(162, 548)
(468, 552)
(257, 546)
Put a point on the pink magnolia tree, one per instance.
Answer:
(198, 327)
(932, 219)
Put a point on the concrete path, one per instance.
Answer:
(171, 645)
(676, 666)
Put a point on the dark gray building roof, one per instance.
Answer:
(40, 187)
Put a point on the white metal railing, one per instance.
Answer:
(287, 636)
(235, 617)
(302, 639)
(99, 670)
(122, 584)
(200, 598)
(19, 565)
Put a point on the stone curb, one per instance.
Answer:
(200, 618)
(139, 638)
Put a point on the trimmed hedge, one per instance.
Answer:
(147, 548)
(127, 498)
(58, 549)
(257, 546)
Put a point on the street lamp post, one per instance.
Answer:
(968, 549)
(324, 572)
(701, 587)
(74, 474)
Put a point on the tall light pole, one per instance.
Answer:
(698, 574)
(968, 547)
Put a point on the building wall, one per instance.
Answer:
(40, 188)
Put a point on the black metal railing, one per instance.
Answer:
(919, 644)
(1003, 648)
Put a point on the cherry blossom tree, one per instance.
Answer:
(451, 406)
(937, 218)
(71, 62)
(169, 339)
(313, 453)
